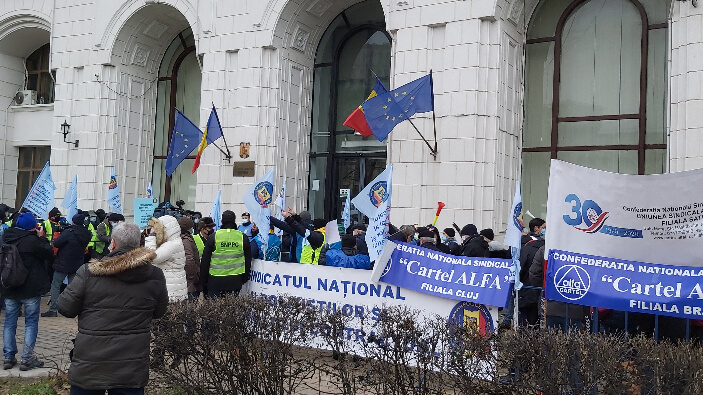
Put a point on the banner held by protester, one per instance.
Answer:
(374, 201)
(40, 199)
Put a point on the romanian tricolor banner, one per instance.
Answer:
(357, 120)
(213, 131)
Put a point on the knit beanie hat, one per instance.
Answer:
(26, 221)
(469, 230)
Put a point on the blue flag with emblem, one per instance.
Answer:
(216, 210)
(184, 139)
(374, 201)
(386, 110)
(346, 214)
(113, 194)
(258, 199)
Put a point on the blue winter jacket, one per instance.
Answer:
(342, 258)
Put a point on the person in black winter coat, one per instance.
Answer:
(359, 231)
(474, 244)
(71, 245)
(35, 251)
(449, 241)
(528, 299)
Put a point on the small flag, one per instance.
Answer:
(184, 139)
(346, 214)
(356, 119)
(113, 194)
(213, 131)
(149, 191)
(374, 201)
(258, 199)
(385, 111)
(40, 199)
(70, 200)
(281, 203)
(216, 210)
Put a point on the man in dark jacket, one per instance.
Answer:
(71, 245)
(224, 283)
(359, 231)
(449, 240)
(528, 298)
(115, 299)
(428, 239)
(347, 257)
(35, 251)
(474, 245)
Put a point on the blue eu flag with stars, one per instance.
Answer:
(386, 110)
(184, 139)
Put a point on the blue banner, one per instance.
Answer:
(479, 280)
(144, 210)
(625, 285)
(40, 198)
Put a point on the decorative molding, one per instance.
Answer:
(155, 30)
(300, 38)
(140, 54)
(319, 7)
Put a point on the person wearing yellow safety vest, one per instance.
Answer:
(314, 239)
(206, 227)
(52, 223)
(226, 261)
(102, 232)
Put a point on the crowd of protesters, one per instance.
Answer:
(117, 278)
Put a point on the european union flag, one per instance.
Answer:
(184, 139)
(386, 110)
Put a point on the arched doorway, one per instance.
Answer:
(595, 90)
(353, 48)
(179, 88)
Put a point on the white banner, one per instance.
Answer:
(351, 292)
(374, 201)
(649, 218)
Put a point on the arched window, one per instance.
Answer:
(595, 90)
(179, 88)
(352, 49)
(39, 77)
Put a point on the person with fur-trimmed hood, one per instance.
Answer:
(115, 299)
(165, 238)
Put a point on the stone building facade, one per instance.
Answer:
(283, 75)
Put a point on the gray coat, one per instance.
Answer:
(115, 299)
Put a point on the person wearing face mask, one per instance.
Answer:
(532, 242)
(52, 223)
(427, 240)
(206, 227)
(449, 240)
(245, 227)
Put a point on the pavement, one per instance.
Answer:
(52, 346)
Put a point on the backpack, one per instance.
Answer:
(13, 273)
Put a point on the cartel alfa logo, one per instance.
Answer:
(516, 217)
(589, 214)
(263, 193)
(474, 315)
(113, 183)
(572, 282)
(378, 193)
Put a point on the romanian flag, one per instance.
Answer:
(213, 131)
(357, 120)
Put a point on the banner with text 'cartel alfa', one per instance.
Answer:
(479, 280)
(625, 285)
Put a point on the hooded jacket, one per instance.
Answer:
(34, 251)
(170, 255)
(115, 299)
(475, 246)
(71, 245)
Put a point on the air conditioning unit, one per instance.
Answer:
(26, 98)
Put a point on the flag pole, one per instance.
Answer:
(432, 150)
(434, 120)
(228, 155)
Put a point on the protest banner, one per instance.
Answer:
(612, 246)
(350, 292)
(40, 199)
(480, 280)
(374, 201)
(143, 210)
